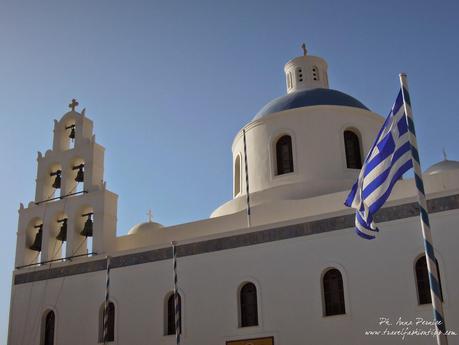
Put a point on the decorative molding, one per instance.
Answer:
(387, 214)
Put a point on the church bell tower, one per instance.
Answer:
(73, 214)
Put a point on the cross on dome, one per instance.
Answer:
(150, 216)
(305, 51)
(73, 104)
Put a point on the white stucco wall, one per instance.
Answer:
(378, 277)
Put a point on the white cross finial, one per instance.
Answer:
(150, 216)
(445, 157)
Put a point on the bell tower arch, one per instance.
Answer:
(73, 213)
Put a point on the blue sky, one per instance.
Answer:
(169, 84)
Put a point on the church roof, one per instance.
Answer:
(307, 98)
(444, 165)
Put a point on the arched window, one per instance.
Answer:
(284, 155)
(422, 281)
(237, 175)
(110, 323)
(333, 293)
(170, 326)
(352, 146)
(48, 328)
(248, 305)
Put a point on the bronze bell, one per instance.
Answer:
(87, 229)
(80, 174)
(62, 235)
(72, 131)
(36, 245)
(57, 181)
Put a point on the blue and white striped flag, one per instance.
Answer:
(388, 159)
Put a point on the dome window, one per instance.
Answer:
(353, 151)
(315, 73)
(289, 80)
(299, 73)
(284, 155)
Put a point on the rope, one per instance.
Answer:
(106, 306)
(177, 306)
(425, 223)
(246, 164)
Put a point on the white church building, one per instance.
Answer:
(295, 273)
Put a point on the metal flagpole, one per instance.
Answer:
(247, 180)
(176, 296)
(434, 281)
(107, 296)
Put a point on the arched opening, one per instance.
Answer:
(284, 155)
(422, 281)
(34, 241)
(353, 150)
(83, 232)
(69, 134)
(48, 327)
(170, 314)
(333, 293)
(76, 176)
(248, 305)
(237, 175)
(107, 326)
(51, 182)
(58, 238)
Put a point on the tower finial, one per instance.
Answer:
(305, 51)
(73, 104)
(445, 156)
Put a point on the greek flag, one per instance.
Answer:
(388, 159)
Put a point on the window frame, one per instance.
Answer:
(358, 135)
(241, 325)
(416, 281)
(169, 296)
(238, 157)
(345, 307)
(44, 324)
(101, 322)
(275, 154)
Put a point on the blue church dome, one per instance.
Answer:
(307, 98)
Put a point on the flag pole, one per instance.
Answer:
(177, 305)
(247, 180)
(434, 281)
(107, 298)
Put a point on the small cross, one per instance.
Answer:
(150, 216)
(73, 105)
(305, 51)
(445, 156)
